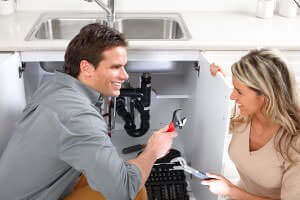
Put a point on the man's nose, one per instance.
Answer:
(124, 74)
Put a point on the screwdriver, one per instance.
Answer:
(133, 148)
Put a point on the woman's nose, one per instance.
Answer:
(233, 96)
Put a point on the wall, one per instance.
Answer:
(143, 5)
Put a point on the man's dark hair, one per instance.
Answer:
(89, 44)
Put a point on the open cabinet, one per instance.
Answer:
(203, 139)
(178, 80)
(205, 101)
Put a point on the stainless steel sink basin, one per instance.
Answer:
(60, 28)
(135, 26)
(155, 29)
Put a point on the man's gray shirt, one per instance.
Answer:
(59, 135)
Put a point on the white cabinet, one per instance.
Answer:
(12, 99)
(176, 84)
(203, 138)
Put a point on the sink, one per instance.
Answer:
(147, 28)
(60, 28)
(135, 26)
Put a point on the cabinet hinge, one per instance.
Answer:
(197, 67)
(21, 69)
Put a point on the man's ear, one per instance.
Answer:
(86, 68)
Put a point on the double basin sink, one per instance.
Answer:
(135, 26)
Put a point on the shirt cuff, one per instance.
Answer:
(134, 171)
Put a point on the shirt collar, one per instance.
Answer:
(72, 82)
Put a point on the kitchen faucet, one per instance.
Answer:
(109, 9)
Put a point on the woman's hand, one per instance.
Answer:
(214, 69)
(219, 185)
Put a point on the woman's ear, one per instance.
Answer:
(265, 104)
(86, 68)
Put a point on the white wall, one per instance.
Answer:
(143, 5)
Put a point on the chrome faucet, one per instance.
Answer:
(109, 9)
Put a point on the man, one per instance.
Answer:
(61, 134)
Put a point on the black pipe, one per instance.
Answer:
(130, 92)
(145, 119)
(140, 100)
(122, 112)
(146, 89)
(130, 126)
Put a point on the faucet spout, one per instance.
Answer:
(104, 6)
(109, 9)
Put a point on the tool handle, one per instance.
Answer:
(202, 176)
(133, 148)
(171, 127)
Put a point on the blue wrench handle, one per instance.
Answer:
(201, 176)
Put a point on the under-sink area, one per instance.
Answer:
(135, 26)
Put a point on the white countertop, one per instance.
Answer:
(209, 31)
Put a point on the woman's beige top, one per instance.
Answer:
(264, 172)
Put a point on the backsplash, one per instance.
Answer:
(142, 5)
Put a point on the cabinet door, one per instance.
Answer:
(225, 59)
(209, 110)
(12, 100)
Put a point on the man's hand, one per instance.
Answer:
(160, 142)
(158, 145)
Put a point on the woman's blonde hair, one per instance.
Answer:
(265, 72)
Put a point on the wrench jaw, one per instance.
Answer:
(188, 169)
(182, 163)
(180, 123)
(178, 120)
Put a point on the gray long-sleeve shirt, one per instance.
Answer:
(59, 135)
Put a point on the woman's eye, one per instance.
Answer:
(238, 91)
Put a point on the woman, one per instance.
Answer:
(265, 145)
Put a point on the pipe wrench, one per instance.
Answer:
(183, 166)
(177, 121)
